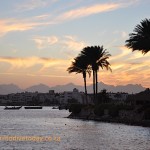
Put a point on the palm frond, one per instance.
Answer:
(140, 39)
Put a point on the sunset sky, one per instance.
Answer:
(40, 38)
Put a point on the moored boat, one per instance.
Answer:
(15, 108)
(33, 107)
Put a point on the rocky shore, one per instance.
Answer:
(131, 119)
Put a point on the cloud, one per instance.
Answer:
(45, 41)
(32, 4)
(41, 20)
(127, 60)
(137, 55)
(127, 74)
(87, 10)
(94, 9)
(72, 43)
(40, 68)
(42, 17)
(28, 62)
(50, 76)
(122, 52)
(127, 67)
(66, 42)
(10, 25)
(124, 34)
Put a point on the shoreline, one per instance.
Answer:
(142, 123)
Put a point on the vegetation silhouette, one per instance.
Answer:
(80, 65)
(91, 58)
(97, 58)
(140, 39)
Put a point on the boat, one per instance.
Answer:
(33, 107)
(14, 108)
(55, 107)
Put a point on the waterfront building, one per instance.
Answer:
(75, 95)
(118, 96)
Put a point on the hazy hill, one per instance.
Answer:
(9, 88)
(41, 88)
(67, 87)
(130, 88)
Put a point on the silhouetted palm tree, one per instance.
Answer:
(140, 39)
(80, 65)
(97, 57)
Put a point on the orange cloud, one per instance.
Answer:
(31, 62)
(86, 11)
(127, 67)
(124, 52)
(125, 77)
(9, 25)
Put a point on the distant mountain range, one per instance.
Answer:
(9, 88)
(130, 88)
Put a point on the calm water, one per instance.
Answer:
(74, 134)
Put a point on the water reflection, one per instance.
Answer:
(74, 134)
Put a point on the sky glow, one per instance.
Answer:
(40, 38)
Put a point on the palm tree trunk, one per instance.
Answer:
(96, 77)
(94, 85)
(85, 91)
(84, 77)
